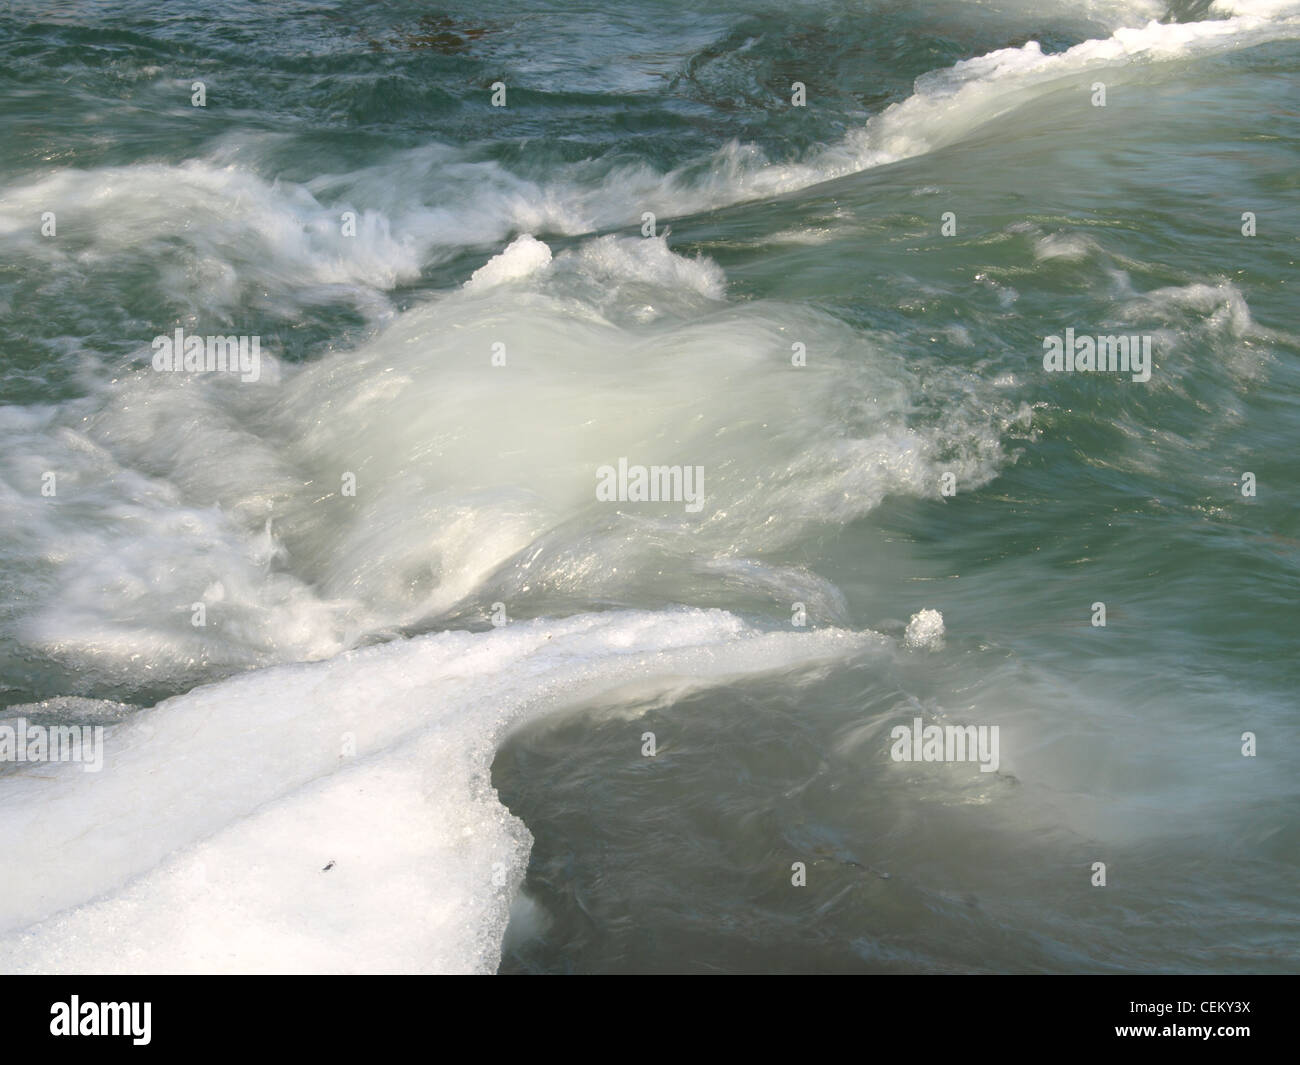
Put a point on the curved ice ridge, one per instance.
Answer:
(203, 845)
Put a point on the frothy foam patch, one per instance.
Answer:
(203, 845)
(525, 256)
(925, 630)
(213, 237)
(208, 525)
(649, 261)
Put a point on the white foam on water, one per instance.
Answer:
(945, 107)
(613, 262)
(1200, 313)
(220, 233)
(1065, 247)
(177, 492)
(525, 256)
(467, 480)
(202, 846)
(212, 235)
(948, 104)
(925, 630)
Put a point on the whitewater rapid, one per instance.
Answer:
(327, 805)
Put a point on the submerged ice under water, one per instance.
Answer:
(410, 734)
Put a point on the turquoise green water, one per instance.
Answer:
(821, 226)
